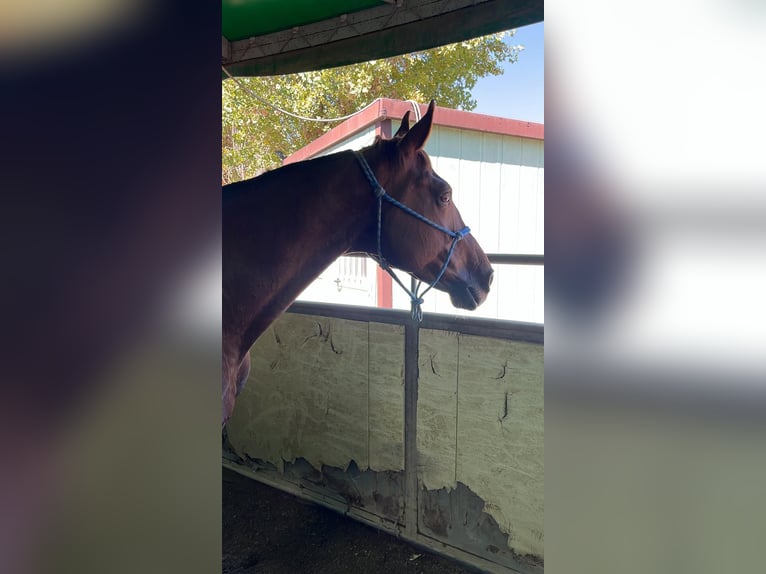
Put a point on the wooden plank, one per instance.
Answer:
(437, 408)
(306, 395)
(386, 397)
(500, 434)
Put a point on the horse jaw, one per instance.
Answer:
(469, 290)
(465, 293)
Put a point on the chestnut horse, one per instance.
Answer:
(283, 228)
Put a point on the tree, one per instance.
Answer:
(255, 136)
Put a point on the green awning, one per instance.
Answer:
(245, 18)
(266, 37)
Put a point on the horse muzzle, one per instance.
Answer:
(472, 293)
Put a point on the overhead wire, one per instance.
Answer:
(287, 112)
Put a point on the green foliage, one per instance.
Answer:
(254, 134)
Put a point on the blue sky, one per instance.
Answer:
(518, 93)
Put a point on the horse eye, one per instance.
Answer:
(444, 198)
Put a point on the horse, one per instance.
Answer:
(284, 227)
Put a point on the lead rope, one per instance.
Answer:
(380, 193)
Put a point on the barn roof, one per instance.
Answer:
(386, 108)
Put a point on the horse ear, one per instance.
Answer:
(417, 136)
(405, 127)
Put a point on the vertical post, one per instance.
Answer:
(411, 342)
(383, 279)
(411, 345)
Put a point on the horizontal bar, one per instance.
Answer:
(479, 326)
(501, 258)
(516, 259)
(496, 328)
(351, 312)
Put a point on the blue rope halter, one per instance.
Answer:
(380, 194)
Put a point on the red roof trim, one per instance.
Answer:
(385, 108)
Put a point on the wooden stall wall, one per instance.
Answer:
(323, 406)
(323, 411)
(480, 439)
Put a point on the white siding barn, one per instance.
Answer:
(496, 169)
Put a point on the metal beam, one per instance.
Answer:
(516, 259)
(411, 489)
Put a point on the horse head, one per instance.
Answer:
(418, 247)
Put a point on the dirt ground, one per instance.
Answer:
(266, 531)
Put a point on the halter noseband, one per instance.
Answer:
(380, 194)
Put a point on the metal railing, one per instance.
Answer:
(500, 328)
(501, 258)
(516, 259)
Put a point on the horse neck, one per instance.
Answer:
(331, 213)
(296, 223)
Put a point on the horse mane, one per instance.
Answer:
(385, 147)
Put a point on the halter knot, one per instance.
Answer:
(462, 233)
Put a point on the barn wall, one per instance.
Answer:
(324, 408)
